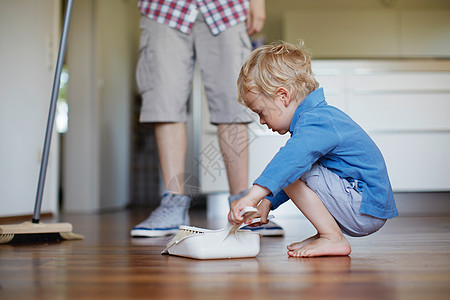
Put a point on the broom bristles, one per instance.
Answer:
(37, 232)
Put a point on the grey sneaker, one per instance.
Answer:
(269, 229)
(166, 218)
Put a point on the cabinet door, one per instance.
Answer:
(404, 107)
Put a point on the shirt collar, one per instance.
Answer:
(314, 99)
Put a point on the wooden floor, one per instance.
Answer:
(408, 259)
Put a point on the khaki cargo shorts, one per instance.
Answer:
(166, 65)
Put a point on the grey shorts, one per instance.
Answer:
(343, 201)
(166, 64)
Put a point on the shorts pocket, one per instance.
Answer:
(143, 67)
(145, 34)
(246, 44)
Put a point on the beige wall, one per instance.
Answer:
(101, 57)
(102, 53)
(29, 34)
(276, 9)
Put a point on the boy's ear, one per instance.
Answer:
(284, 94)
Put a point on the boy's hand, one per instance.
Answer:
(253, 197)
(264, 208)
(234, 216)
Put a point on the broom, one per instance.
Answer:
(35, 231)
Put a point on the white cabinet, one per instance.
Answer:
(402, 104)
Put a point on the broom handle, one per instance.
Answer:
(51, 114)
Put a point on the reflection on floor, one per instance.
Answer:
(408, 259)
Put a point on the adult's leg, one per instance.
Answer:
(329, 239)
(164, 77)
(173, 210)
(220, 59)
(172, 142)
(233, 142)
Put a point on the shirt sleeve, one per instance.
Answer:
(313, 137)
(278, 199)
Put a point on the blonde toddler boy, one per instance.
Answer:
(330, 168)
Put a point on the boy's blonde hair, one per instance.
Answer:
(271, 66)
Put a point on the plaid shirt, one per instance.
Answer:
(218, 14)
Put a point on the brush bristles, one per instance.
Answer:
(71, 236)
(6, 238)
(183, 233)
(39, 237)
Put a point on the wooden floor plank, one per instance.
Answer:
(407, 259)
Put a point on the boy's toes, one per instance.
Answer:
(295, 253)
(292, 246)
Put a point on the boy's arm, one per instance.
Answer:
(313, 137)
(278, 199)
(253, 197)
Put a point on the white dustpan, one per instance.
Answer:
(229, 242)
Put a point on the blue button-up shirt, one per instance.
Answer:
(323, 133)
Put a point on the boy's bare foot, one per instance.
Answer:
(298, 245)
(322, 246)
